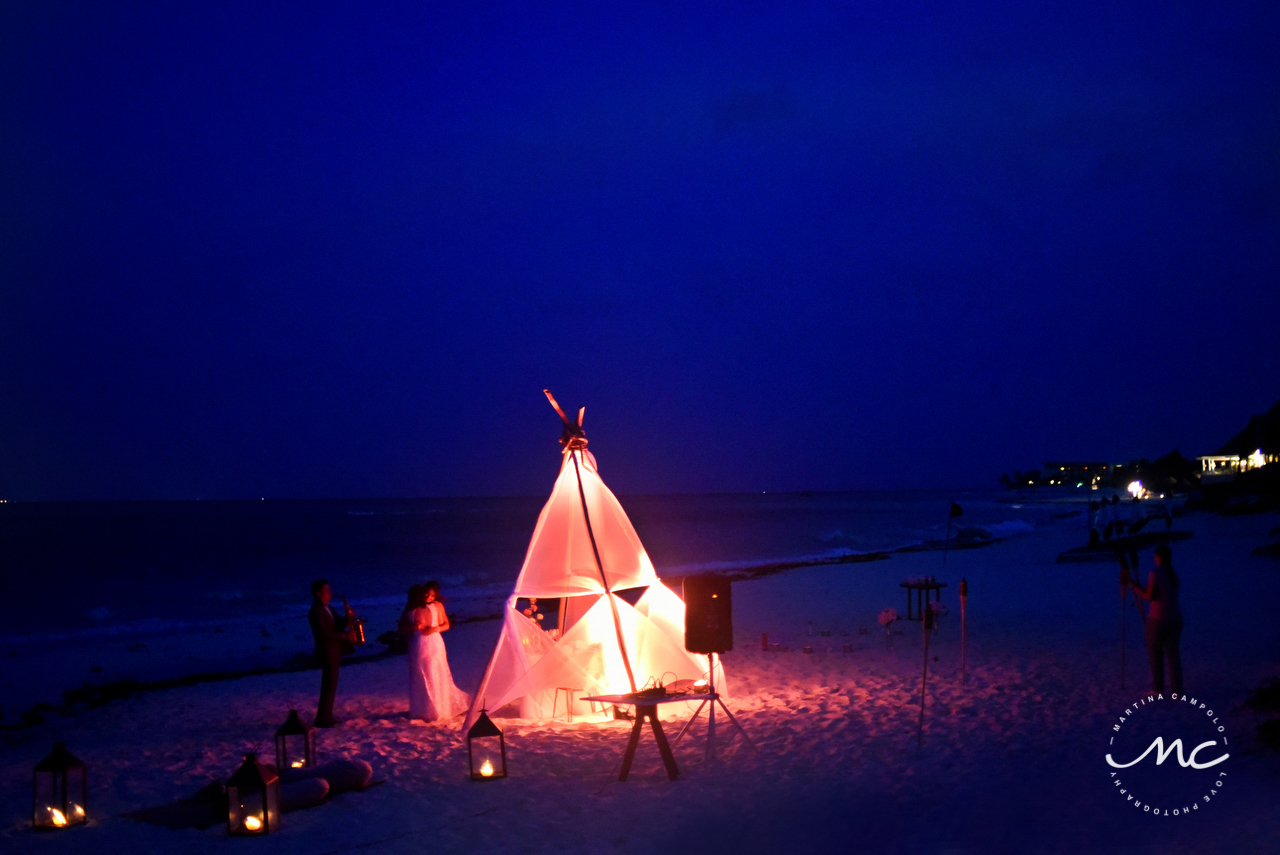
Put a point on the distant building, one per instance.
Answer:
(1252, 448)
(1075, 474)
(1212, 465)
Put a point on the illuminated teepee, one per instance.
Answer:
(565, 625)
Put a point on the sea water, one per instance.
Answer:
(72, 569)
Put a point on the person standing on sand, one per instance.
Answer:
(328, 629)
(1163, 628)
(417, 599)
(432, 693)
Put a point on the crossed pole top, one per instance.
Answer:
(573, 437)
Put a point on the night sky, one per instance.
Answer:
(340, 249)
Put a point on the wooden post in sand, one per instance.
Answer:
(955, 511)
(964, 602)
(1124, 591)
(924, 678)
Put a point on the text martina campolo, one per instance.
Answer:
(1163, 753)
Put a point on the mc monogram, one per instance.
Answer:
(1163, 753)
(1144, 729)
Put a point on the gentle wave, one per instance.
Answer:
(460, 594)
(190, 567)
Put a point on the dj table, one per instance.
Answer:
(647, 708)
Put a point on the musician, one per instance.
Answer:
(330, 632)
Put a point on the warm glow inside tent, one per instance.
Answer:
(589, 635)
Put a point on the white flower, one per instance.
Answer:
(888, 616)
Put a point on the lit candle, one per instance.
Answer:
(252, 823)
(59, 818)
(487, 769)
(297, 764)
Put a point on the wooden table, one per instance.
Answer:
(647, 708)
(922, 591)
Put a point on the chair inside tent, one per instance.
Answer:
(588, 612)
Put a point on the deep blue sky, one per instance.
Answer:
(330, 251)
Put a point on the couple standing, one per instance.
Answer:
(432, 694)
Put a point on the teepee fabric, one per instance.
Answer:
(530, 663)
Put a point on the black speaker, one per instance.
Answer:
(708, 614)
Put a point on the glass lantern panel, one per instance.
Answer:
(246, 812)
(486, 757)
(49, 811)
(273, 805)
(295, 751)
(75, 795)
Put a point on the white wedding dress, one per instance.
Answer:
(432, 694)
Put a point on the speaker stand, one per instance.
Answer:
(710, 704)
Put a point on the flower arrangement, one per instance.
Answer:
(886, 618)
(532, 612)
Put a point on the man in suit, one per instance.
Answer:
(329, 631)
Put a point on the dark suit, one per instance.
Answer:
(327, 627)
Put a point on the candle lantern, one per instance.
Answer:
(486, 750)
(58, 790)
(295, 744)
(253, 799)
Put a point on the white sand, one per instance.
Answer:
(1012, 762)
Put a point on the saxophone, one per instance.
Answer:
(355, 625)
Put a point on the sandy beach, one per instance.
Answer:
(351, 296)
(1011, 762)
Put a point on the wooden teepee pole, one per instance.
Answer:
(574, 441)
(613, 606)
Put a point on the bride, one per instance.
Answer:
(432, 694)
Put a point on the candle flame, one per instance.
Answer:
(297, 764)
(252, 823)
(79, 811)
(487, 769)
(59, 818)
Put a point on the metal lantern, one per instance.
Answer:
(58, 790)
(253, 799)
(486, 750)
(295, 744)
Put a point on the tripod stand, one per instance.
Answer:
(710, 702)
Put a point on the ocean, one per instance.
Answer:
(103, 568)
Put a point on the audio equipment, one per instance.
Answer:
(708, 614)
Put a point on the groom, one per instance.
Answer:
(329, 632)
